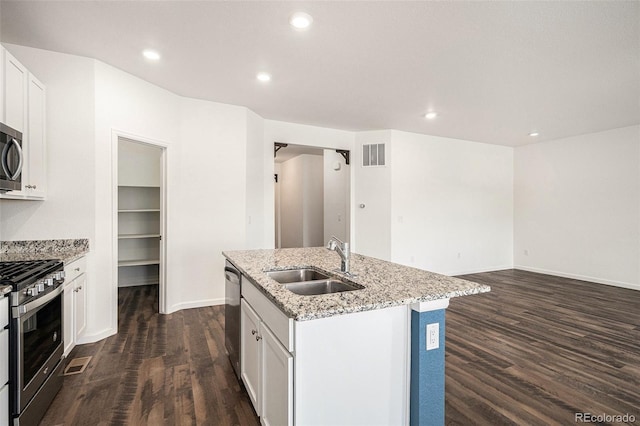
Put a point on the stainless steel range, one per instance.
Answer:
(35, 344)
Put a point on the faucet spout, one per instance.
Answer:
(342, 249)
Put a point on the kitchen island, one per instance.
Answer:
(353, 357)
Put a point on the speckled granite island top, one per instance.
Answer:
(385, 284)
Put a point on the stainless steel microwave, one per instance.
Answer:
(11, 159)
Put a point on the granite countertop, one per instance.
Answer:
(65, 250)
(385, 284)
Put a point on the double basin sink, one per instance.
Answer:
(311, 282)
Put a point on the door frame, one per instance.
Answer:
(163, 267)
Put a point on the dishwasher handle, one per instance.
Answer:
(228, 272)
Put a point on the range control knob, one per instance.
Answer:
(58, 275)
(40, 286)
(48, 281)
(32, 291)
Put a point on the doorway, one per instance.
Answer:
(140, 220)
(312, 196)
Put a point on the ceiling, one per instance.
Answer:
(494, 71)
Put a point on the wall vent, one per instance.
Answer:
(373, 155)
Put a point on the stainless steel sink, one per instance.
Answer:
(297, 275)
(328, 286)
(311, 282)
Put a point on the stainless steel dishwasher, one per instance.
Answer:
(232, 279)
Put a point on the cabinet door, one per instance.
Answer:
(80, 305)
(2, 120)
(15, 93)
(4, 357)
(4, 404)
(250, 353)
(35, 176)
(68, 336)
(277, 382)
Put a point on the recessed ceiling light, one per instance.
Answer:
(152, 55)
(263, 76)
(431, 115)
(534, 134)
(300, 20)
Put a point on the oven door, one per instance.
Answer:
(37, 334)
(11, 159)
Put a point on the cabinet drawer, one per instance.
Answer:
(74, 269)
(4, 312)
(274, 318)
(4, 357)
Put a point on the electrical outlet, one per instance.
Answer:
(433, 336)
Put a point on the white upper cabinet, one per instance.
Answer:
(2, 98)
(16, 79)
(23, 108)
(34, 178)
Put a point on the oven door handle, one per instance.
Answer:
(19, 311)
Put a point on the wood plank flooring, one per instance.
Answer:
(534, 351)
(158, 370)
(537, 349)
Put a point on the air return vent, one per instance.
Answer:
(373, 155)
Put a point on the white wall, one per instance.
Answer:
(210, 203)
(297, 134)
(69, 208)
(301, 201)
(255, 195)
(290, 182)
(371, 224)
(127, 104)
(208, 182)
(313, 201)
(577, 207)
(337, 196)
(451, 204)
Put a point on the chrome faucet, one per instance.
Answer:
(343, 250)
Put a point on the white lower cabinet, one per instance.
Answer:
(4, 360)
(266, 369)
(74, 303)
(251, 353)
(67, 319)
(4, 403)
(277, 382)
(341, 370)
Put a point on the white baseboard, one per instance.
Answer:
(195, 304)
(92, 338)
(622, 284)
(479, 271)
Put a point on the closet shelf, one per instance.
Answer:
(138, 210)
(139, 262)
(133, 236)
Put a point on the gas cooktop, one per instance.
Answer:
(23, 273)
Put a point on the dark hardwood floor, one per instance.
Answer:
(158, 370)
(534, 351)
(537, 349)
